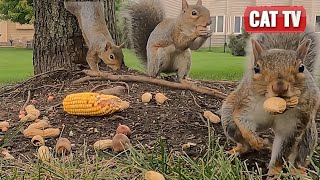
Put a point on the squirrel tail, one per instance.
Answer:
(141, 17)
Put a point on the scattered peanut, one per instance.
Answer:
(37, 140)
(153, 175)
(123, 129)
(146, 97)
(160, 98)
(6, 155)
(32, 114)
(42, 124)
(63, 146)
(187, 146)
(50, 132)
(120, 142)
(4, 124)
(103, 144)
(50, 98)
(44, 153)
(211, 117)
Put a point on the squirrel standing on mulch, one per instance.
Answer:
(282, 65)
(91, 19)
(164, 44)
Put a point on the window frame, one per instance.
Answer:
(315, 23)
(216, 24)
(240, 24)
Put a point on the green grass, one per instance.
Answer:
(16, 64)
(134, 163)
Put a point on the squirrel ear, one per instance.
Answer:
(257, 50)
(184, 4)
(121, 46)
(303, 49)
(108, 46)
(199, 3)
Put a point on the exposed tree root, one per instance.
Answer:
(92, 75)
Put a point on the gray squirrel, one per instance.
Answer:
(281, 65)
(91, 19)
(163, 45)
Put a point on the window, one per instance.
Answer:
(217, 24)
(238, 24)
(318, 23)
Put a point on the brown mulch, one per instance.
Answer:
(178, 121)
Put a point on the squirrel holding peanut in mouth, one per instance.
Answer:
(281, 72)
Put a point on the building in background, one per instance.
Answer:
(227, 15)
(19, 35)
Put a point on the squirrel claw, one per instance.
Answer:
(274, 172)
(299, 171)
(238, 150)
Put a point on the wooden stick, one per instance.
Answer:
(134, 78)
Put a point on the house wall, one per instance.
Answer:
(19, 33)
(231, 8)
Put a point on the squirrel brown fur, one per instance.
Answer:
(281, 65)
(91, 19)
(163, 44)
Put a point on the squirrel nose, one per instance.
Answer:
(280, 87)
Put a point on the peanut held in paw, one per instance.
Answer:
(275, 105)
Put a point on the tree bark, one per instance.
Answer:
(58, 42)
(110, 13)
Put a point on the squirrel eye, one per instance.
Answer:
(301, 68)
(256, 69)
(194, 13)
(111, 57)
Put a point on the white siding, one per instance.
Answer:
(231, 8)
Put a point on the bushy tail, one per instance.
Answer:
(141, 17)
(291, 41)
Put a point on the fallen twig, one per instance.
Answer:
(61, 88)
(134, 78)
(27, 101)
(101, 85)
(86, 79)
(195, 101)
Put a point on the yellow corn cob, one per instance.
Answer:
(93, 104)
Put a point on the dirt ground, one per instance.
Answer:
(178, 121)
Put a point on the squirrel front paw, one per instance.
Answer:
(238, 150)
(260, 144)
(203, 32)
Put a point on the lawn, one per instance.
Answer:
(16, 65)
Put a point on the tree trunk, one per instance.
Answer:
(58, 42)
(110, 13)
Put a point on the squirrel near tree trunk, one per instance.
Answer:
(163, 45)
(281, 65)
(91, 19)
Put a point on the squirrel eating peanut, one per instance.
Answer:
(164, 44)
(282, 65)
